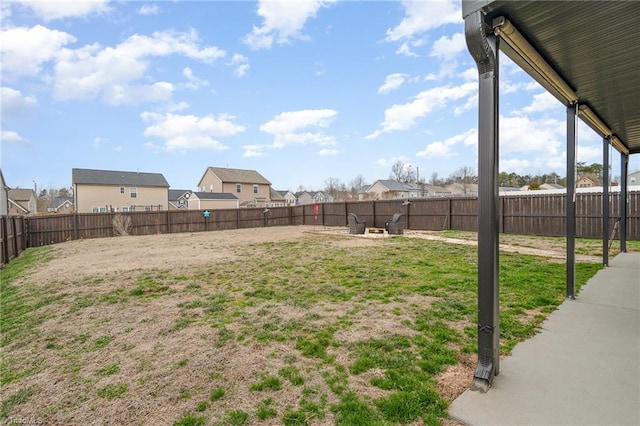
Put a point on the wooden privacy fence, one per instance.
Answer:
(521, 214)
(13, 238)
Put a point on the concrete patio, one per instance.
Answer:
(583, 368)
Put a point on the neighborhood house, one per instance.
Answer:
(250, 187)
(101, 191)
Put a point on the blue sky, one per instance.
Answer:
(300, 91)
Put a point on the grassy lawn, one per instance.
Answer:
(296, 333)
(585, 246)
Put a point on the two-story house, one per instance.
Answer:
(99, 191)
(22, 202)
(250, 187)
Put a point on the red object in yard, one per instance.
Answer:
(315, 210)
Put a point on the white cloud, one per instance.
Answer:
(183, 132)
(283, 20)
(58, 9)
(304, 127)
(132, 94)
(25, 50)
(12, 137)
(444, 149)
(523, 135)
(387, 163)
(470, 74)
(405, 50)
(544, 102)
(148, 9)
(448, 48)
(240, 63)
(392, 82)
(253, 151)
(404, 116)
(421, 16)
(15, 103)
(293, 121)
(589, 154)
(514, 165)
(92, 70)
(327, 152)
(193, 82)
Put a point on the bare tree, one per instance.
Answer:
(335, 188)
(434, 179)
(356, 185)
(401, 172)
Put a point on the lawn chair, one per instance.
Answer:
(356, 226)
(395, 226)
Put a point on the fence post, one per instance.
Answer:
(373, 212)
(16, 245)
(501, 215)
(449, 214)
(5, 243)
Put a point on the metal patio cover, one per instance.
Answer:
(594, 46)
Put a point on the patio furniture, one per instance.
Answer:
(395, 226)
(356, 226)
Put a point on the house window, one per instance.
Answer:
(210, 188)
(255, 189)
(134, 192)
(147, 208)
(99, 209)
(238, 188)
(127, 209)
(122, 189)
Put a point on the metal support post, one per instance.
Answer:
(605, 201)
(483, 46)
(571, 201)
(624, 188)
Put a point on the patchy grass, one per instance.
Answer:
(316, 330)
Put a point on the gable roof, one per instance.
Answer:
(276, 195)
(238, 175)
(174, 194)
(59, 201)
(115, 177)
(392, 185)
(21, 194)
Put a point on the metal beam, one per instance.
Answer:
(605, 201)
(624, 188)
(571, 201)
(483, 47)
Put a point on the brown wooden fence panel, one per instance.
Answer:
(429, 214)
(45, 230)
(13, 232)
(464, 214)
(332, 214)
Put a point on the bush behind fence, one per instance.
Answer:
(522, 214)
